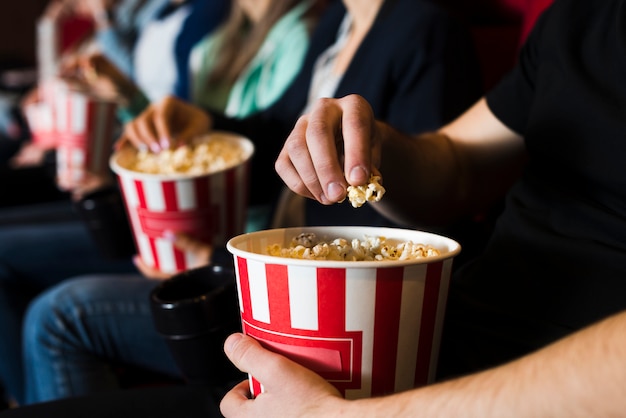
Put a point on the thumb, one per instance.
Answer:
(249, 356)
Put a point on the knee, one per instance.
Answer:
(54, 314)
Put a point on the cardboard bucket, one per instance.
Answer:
(85, 132)
(40, 119)
(368, 327)
(210, 207)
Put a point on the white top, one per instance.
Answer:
(324, 80)
(154, 60)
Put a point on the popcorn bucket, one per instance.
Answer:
(368, 327)
(40, 119)
(84, 127)
(210, 207)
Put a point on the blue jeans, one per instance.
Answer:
(75, 331)
(32, 259)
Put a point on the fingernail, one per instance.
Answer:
(155, 147)
(358, 175)
(165, 143)
(232, 341)
(335, 191)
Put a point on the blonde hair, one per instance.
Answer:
(241, 39)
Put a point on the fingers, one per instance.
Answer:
(164, 125)
(289, 390)
(234, 402)
(149, 272)
(294, 151)
(179, 122)
(358, 129)
(202, 251)
(141, 131)
(248, 356)
(331, 147)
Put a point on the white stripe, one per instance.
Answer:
(61, 159)
(77, 157)
(413, 285)
(185, 194)
(303, 297)
(258, 291)
(61, 103)
(360, 298)
(132, 203)
(165, 255)
(237, 275)
(79, 114)
(439, 318)
(155, 201)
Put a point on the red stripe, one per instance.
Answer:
(331, 283)
(169, 196)
(256, 387)
(386, 328)
(427, 326)
(244, 287)
(141, 197)
(278, 296)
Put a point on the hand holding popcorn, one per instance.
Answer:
(166, 124)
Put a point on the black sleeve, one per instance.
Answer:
(511, 100)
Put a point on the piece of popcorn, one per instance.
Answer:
(371, 192)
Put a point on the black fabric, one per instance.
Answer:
(557, 259)
(153, 402)
(414, 51)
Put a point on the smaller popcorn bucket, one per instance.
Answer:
(85, 131)
(40, 119)
(210, 207)
(368, 327)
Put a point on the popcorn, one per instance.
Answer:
(371, 192)
(198, 157)
(372, 248)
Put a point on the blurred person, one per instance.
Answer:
(56, 238)
(285, 27)
(535, 325)
(414, 52)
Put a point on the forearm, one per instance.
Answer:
(580, 376)
(460, 170)
(426, 180)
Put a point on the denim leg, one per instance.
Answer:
(74, 332)
(33, 258)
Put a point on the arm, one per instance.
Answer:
(464, 166)
(580, 376)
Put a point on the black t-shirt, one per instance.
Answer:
(557, 259)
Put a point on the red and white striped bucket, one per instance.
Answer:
(40, 119)
(369, 328)
(85, 131)
(210, 207)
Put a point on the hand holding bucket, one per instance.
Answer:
(210, 207)
(368, 327)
